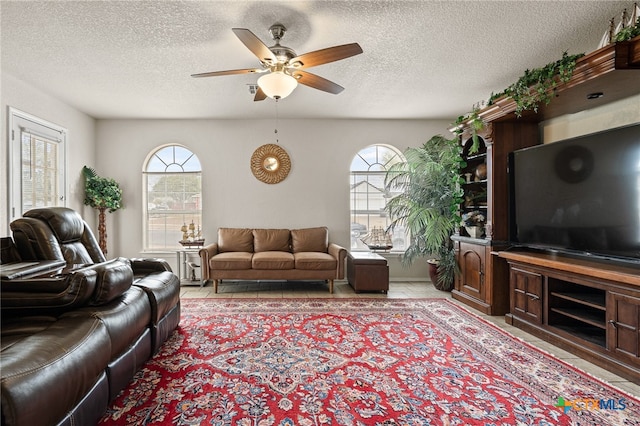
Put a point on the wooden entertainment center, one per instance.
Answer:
(590, 308)
(586, 307)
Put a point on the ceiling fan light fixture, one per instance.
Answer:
(277, 84)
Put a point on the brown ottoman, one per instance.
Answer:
(367, 271)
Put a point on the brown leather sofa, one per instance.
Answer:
(272, 254)
(75, 326)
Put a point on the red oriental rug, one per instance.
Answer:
(357, 362)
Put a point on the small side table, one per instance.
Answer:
(367, 271)
(184, 266)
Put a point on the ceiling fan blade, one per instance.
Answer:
(317, 82)
(323, 56)
(228, 72)
(255, 45)
(260, 95)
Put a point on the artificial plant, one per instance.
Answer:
(629, 32)
(537, 86)
(103, 194)
(430, 194)
(533, 88)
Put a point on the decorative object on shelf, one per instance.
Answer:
(270, 163)
(627, 28)
(468, 177)
(430, 189)
(378, 239)
(481, 171)
(475, 198)
(190, 236)
(475, 231)
(473, 223)
(103, 194)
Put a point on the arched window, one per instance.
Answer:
(172, 196)
(368, 194)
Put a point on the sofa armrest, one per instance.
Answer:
(206, 253)
(57, 293)
(148, 265)
(340, 253)
(91, 285)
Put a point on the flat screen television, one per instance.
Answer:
(580, 196)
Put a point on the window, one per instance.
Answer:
(37, 163)
(173, 197)
(368, 194)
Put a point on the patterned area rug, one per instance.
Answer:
(357, 362)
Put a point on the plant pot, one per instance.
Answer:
(475, 231)
(433, 275)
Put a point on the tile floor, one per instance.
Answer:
(397, 290)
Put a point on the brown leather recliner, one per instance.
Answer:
(133, 302)
(60, 233)
(55, 233)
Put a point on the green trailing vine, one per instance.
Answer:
(476, 124)
(537, 86)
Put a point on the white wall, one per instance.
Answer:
(615, 114)
(80, 142)
(316, 192)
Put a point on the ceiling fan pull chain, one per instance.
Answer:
(276, 130)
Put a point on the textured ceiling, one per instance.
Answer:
(422, 59)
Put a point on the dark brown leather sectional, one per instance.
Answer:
(75, 326)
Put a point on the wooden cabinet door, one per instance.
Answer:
(623, 326)
(526, 294)
(472, 263)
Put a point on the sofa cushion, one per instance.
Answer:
(271, 240)
(315, 261)
(231, 261)
(45, 371)
(235, 239)
(272, 260)
(310, 239)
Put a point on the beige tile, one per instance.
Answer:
(629, 387)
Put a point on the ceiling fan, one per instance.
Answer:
(284, 68)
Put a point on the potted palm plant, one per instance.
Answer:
(429, 183)
(103, 194)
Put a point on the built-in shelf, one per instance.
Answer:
(591, 335)
(484, 280)
(596, 319)
(596, 301)
(474, 157)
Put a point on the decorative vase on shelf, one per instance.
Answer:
(475, 231)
